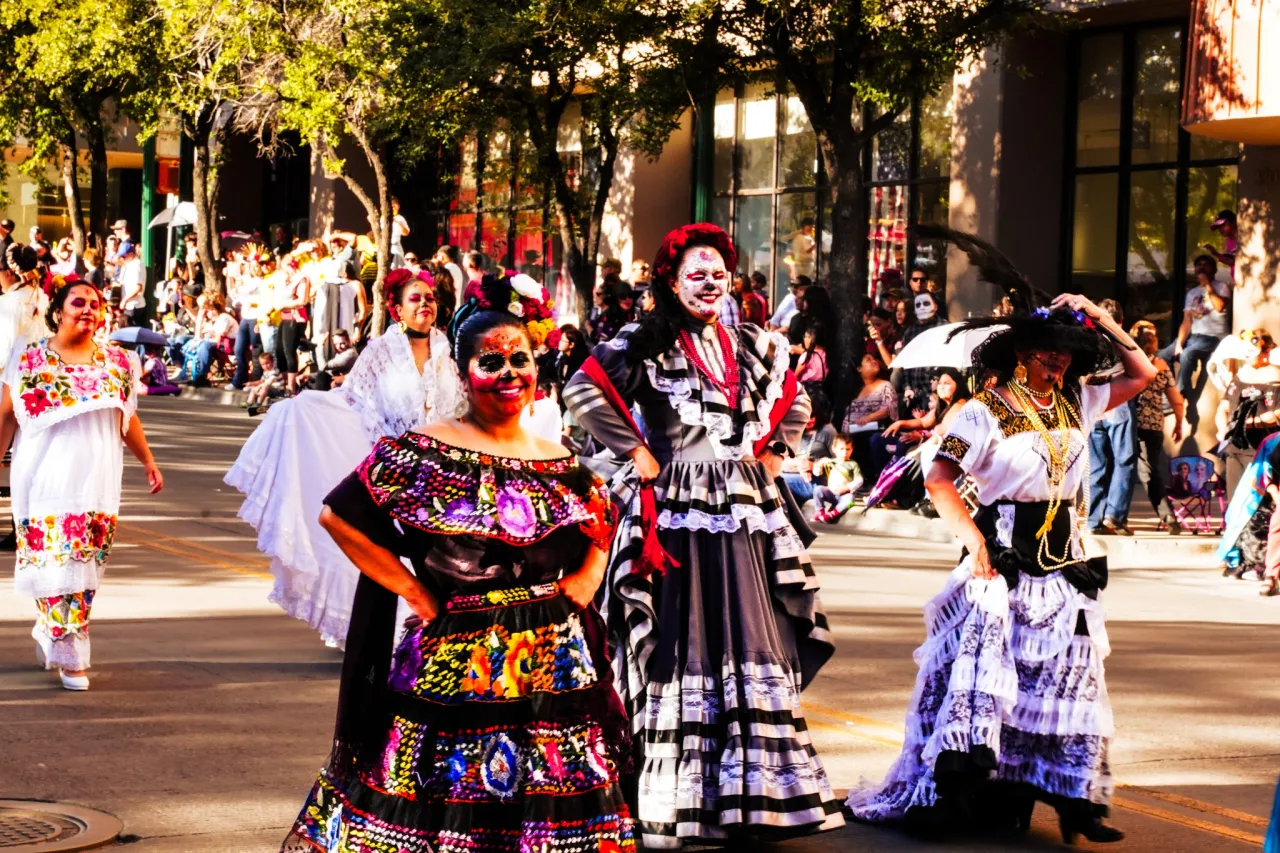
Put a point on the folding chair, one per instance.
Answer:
(1193, 483)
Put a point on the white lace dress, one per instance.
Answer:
(305, 446)
(1011, 685)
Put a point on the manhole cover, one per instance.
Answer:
(27, 826)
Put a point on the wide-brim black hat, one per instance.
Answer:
(1062, 330)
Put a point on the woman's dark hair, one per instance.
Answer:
(21, 258)
(817, 303)
(657, 332)
(821, 414)
(880, 367)
(962, 390)
(59, 299)
(574, 334)
(478, 325)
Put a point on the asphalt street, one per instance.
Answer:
(211, 711)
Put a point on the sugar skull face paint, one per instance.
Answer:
(702, 282)
(925, 307)
(502, 374)
(82, 310)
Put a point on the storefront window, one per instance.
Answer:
(767, 181)
(1144, 191)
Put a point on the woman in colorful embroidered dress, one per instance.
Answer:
(1010, 705)
(723, 644)
(74, 405)
(405, 378)
(494, 726)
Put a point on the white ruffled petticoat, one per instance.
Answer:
(306, 446)
(1004, 669)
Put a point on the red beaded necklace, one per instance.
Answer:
(729, 387)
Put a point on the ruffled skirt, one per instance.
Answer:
(302, 449)
(503, 735)
(711, 659)
(1011, 689)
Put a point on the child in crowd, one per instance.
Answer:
(270, 385)
(155, 375)
(844, 478)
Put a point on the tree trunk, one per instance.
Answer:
(98, 225)
(847, 276)
(71, 188)
(200, 129)
(377, 210)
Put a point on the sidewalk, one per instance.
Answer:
(1148, 547)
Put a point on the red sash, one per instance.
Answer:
(653, 557)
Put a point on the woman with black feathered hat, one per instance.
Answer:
(1010, 704)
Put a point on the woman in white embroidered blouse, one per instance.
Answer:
(403, 380)
(73, 406)
(1010, 705)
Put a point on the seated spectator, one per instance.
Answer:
(901, 483)
(811, 369)
(215, 333)
(262, 390)
(815, 445)
(336, 368)
(882, 337)
(754, 310)
(155, 375)
(844, 478)
(875, 407)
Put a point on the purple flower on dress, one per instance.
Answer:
(460, 511)
(515, 513)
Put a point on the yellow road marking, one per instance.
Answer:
(854, 722)
(1197, 805)
(1192, 822)
(193, 553)
(187, 543)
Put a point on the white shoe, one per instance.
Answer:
(74, 682)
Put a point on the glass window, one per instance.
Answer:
(891, 150)
(754, 234)
(723, 132)
(1209, 190)
(1098, 100)
(933, 203)
(935, 137)
(887, 234)
(1152, 224)
(757, 131)
(1204, 148)
(799, 152)
(494, 239)
(1157, 98)
(1093, 245)
(720, 215)
(797, 242)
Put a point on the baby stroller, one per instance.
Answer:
(1193, 487)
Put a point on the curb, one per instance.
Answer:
(222, 396)
(1142, 550)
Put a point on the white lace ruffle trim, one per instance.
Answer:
(786, 542)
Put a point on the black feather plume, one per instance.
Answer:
(991, 263)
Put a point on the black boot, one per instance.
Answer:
(10, 542)
(1079, 818)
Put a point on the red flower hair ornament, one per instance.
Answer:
(685, 237)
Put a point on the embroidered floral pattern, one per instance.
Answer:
(953, 447)
(47, 383)
(83, 536)
(494, 665)
(329, 822)
(64, 616)
(1012, 423)
(437, 488)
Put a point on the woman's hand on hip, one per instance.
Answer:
(580, 587)
(423, 604)
(772, 463)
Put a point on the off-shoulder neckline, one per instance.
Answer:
(553, 464)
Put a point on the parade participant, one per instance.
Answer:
(723, 644)
(23, 304)
(405, 378)
(74, 406)
(1010, 704)
(494, 725)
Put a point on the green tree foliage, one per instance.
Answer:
(354, 79)
(67, 65)
(208, 51)
(841, 56)
(522, 66)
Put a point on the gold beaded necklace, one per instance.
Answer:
(1056, 468)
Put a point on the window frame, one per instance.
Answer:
(1125, 168)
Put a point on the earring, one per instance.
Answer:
(1020, 373)
(404, 327)
(531, 409)
(1059, 381)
